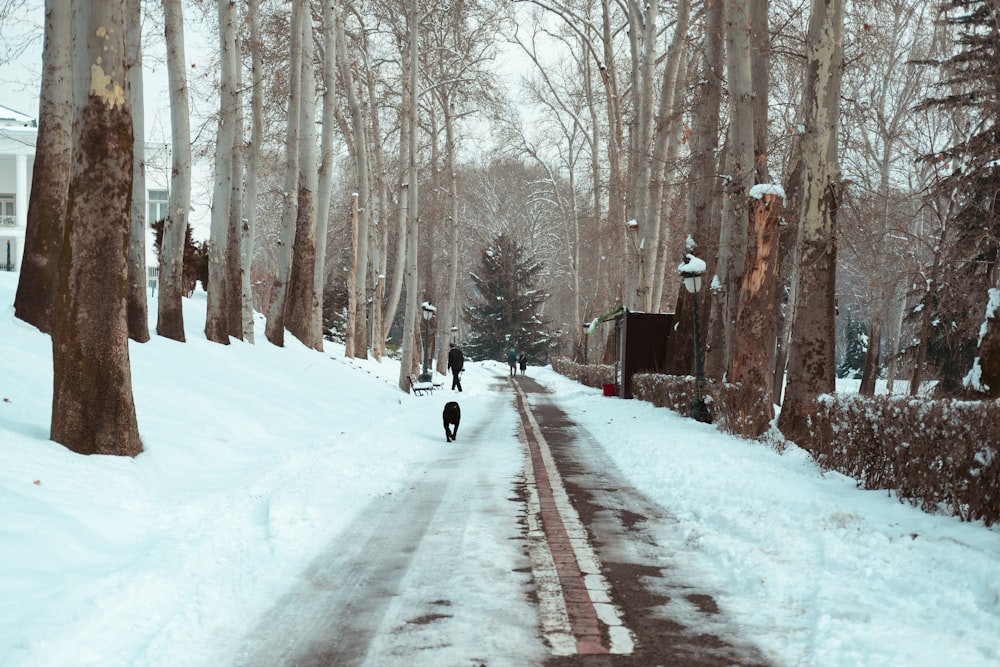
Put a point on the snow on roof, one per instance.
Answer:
(9, 116)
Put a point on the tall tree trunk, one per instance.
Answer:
(732, 240)
(170, 314)
(665, 148)
(352, 277)
(897, 313)
(324, 187)
(704, 189)
(402, 208)
(356, 327)
(760, 64)
(137, 309)
(248, 227)
(93, 411)
(217, 324)
(789, 259)
(756, 317)
(234, 234)
(811, 365)
(869, 370)
(36, 294)
(412, 231)
(642, 41)
(303, 312)
(275, 328)
(613, 241)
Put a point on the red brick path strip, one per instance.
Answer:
(579, 607)
(582, 616)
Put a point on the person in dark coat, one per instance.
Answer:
(512, 361)
(523, 362)
(456, 362)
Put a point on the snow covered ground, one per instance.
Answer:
(257, 457)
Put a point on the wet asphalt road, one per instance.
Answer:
(382, 596)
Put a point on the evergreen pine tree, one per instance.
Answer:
(972, 79)
(855, 349)
(503, 311)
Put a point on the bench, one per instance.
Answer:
(421, 388)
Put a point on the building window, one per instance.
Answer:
(7, 211)
(158, 201)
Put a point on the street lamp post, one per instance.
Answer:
(586, 329)
(691, 271)
(454, 334)
(427, 310)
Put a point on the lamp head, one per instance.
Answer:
(691, 271)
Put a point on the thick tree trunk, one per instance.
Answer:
(741, 175)
(356, 328)
(234, 233)
(275, 328)
(137, 308)
(248, 227)
(92, 406)
(704, 192)
(303, 312)
(811, 366)
(170, 314)
(324, 186)
(217, 324)
(36, 288)
(756, 326)
(352, 278)
(869, 370)
(412, 231)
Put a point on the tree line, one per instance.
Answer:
(366, 154)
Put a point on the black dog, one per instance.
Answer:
(452, 415)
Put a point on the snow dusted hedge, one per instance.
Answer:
(591, 375)
(936, 454)
(940, 455)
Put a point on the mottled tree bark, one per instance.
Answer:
(36, 288)
(93, 411)
(811, 365)
(170, 313)
(137, 309)
(756, 328)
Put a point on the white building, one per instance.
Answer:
(17, 159)
(18, 133)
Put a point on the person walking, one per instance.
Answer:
(523, 362)
(512, 361)
(456, 362)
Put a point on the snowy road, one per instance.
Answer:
(440, 574)
(434, 575)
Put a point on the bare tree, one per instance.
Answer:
(248, 225)
(356, 330)
(411, 73)
(217, 325)
(170, 314)
(275, 329)
(36, 294)
(304, 310)
(93, 411)
(811, 361)
(138, 311)
(324, 186)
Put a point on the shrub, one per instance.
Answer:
(935, 454)
(939, 455)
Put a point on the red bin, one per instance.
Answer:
(609, 390)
